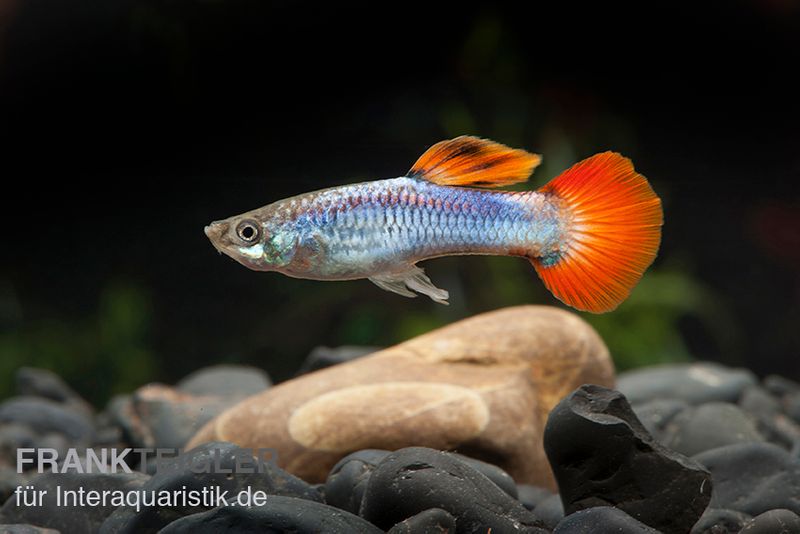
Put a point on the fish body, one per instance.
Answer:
(381, 229)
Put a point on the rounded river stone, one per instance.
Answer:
(482, 386)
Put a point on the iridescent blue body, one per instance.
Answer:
(380, 230)
(371, 228)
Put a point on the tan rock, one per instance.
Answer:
(482, 386)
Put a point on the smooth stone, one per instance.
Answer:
(15, 436)
(602, 520)
(782, 431)
(780, 521)
(26, 529)
(433, 521)
(530, 496)
(278, 514)
(780, 386)
(412, 480)
(348, 479)
(753, 477)
(322, 357)
(791, 405)
(758, 401)
(501, 479)
(709, 426)
(602, 455)
(227, 381)
(720, 521)
(656, 415)
(69, 518)
(160, 416)
(9, 481)
(482, 386)
(34, 382)
(695, 383)
(207, 466)
(45, 415)
(550, 511)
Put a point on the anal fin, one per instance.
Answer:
(410, 280)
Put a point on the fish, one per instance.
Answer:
(590, 233)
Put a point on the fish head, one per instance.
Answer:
(258, 243)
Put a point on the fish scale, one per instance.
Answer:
(477, 222)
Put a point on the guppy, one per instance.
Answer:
(590, 233)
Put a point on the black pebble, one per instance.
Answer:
(433, 521)
(501, 479)
(213, 457)
(412, 480)
(758, 401)
(720, 521)
(530, 496)
(550, 511)
(35, 382)
(753, 477)
(657, 414)
(348, 479)
(602, 455)
(602, 520)
(779, 521)
(278, 514)
(25, 529)
(708, 426)
(66, 517)
(695, 383)
(45, 415)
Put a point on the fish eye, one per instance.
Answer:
(248, 231)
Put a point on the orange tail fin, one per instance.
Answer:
(615, 231)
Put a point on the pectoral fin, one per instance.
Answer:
(404, 282)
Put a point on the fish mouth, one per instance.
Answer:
(215, 233)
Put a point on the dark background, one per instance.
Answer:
(127, 125)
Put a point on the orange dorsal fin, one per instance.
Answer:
(614, 233)
(472, 161)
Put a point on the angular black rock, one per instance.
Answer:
(433, 521)
(26, 529)
(602, 520)
(708, 426)
(695, 383)
(415, 479)
(64, 516)
(278, 514)
(753, 477)
(779, 521)
(602, 455)
(45, 415)
(720, 521)
(348, 479)
(322, 357)
(200, 468)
